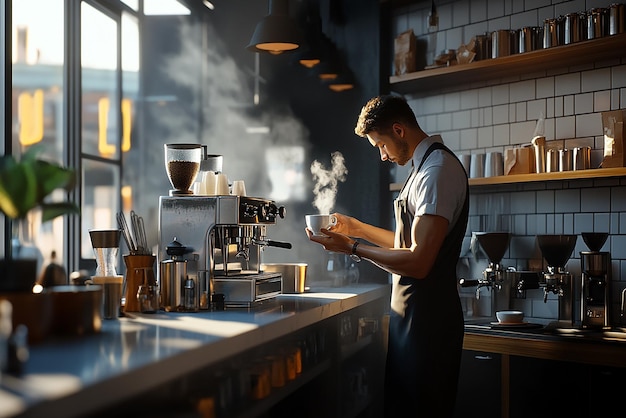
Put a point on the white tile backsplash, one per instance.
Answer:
(495, 115)
(568, 105)
(567, 84)
(566, 127)
(501, 114)
(461, 119)
(545, 87)
(522, 132)
(595, 199)
(451, 102)
(596, 80)
(602, 101)
(583, 222)
(618, 76)
(583, 103)
(589, 125)
(485, 136)
(522, 91)
(501, 135)
(469, 99)
(536, 4)
(460, 14)
(500, 94)
(495, 9)
(601, 222)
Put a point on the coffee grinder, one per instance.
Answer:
(557, 249)
(595, 266)
(494, 244)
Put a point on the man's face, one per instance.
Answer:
(392, 147)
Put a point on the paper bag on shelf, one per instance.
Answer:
(519, 160)
(613, 129)
(405, 54)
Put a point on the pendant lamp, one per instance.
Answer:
(310, 54)
(344, 81)
(276, 32)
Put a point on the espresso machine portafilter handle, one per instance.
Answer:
(468, 282)
(270, 243)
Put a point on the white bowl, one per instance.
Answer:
(510, 317)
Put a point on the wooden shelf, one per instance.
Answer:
(534, 177)
(608, 47)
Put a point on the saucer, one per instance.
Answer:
(514, 325)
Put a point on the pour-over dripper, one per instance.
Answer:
(182, 163)
(556, 249)
(494, 244)
(105, 243)
(594, 240)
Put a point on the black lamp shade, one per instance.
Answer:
(276, 32)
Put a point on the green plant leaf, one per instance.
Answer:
(51, 177)
(25, 184)
(18, 188)
(50, 211)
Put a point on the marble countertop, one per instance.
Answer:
(136, 353)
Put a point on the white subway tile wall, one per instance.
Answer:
(497, 114)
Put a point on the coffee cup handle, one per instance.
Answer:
(333, 221)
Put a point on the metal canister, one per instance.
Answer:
(596, 23)
(581, 158)
(500, 43)
(550, 33)
(525, 39)
(617, 18)
(552, 161)
(565, 160)
(483, 47)
(571, 28)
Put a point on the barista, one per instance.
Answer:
(423, 356)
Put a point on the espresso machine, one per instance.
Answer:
(210, 245)
(494, 244)
(595, 266)
(223, 237)
(556, 250)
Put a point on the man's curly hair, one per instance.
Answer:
(381, 112)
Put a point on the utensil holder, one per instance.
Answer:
(135, 266)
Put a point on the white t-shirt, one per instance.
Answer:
(439, 188)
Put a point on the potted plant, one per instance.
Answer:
(25, 186)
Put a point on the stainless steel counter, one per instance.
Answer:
(132, 355)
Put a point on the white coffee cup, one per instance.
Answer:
(209, 183)
(318, 222)
(221, 187)
(238, 188)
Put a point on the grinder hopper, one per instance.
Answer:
(494, 244)
(556, 249)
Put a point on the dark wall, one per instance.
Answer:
(329, 117)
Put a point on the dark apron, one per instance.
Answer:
(426, 325)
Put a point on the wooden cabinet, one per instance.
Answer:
(479, 392)
(516, 386)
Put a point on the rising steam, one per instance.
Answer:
(326, 181)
